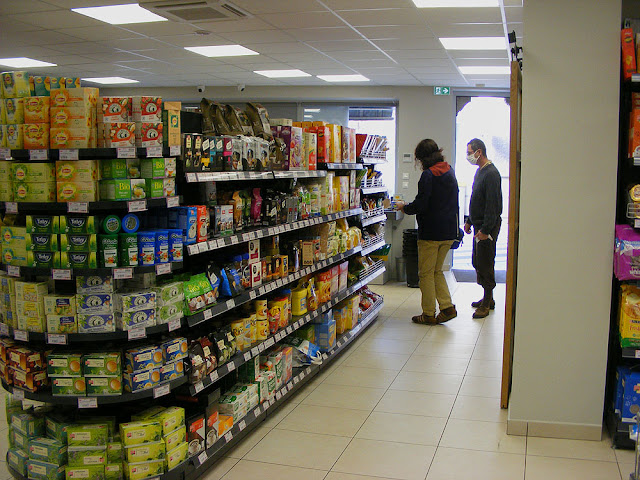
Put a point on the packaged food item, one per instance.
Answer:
(146, 247)
(77, 224)
(91, 434)
(97, 386)
(176, 456)
(87, 472)
(64, 365)
(96, 323)
(113, 471)
(39, 470)
(87, 455)
(196, 434)
(68, 386)
(17, 459)
(102, 364)
(140, 432)
(77, 170)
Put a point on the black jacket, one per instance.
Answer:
(436, 205)
(485, 206)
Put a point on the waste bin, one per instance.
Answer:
(410, 254)
(401, 269)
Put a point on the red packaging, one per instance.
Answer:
(5, 345)
(26, 359)
(628, 53)
(324, 143)
(212, 425)
(6, 373)
(202, 223)
(32, 381)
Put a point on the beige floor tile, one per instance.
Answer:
(416, 403)
(454, 337)
(4, 469)
(220, 468)
(361, 377)
(487, 352)
(490, 341)
(443, 349)
(248, 442)
(341, 396)
(401, 332)
(395, 427)
(298, 449)
(485, 368)
(324, 420)
(580, 449)
(427, 382)
(624, 456)
(427, 364)
(481, 386)
(546, 468)
(250, 469)
(384, 345)
(626, 469)
(384, 361)
(458, 464)
(386, 459)
(485, 436)
(478, 408)
(275, 418)
(348, 476)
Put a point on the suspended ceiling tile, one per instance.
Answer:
(513, 3)
(8, 7)
(432, 70)
(82, 48)
(49, 38)
(260, 7)
(192, 40)
(69, 4)
(342, 45)
(157, 29)
(435, 16)
(513, 14)
(379, 64)
(320, 34)
(479, 54)
(387, 16)
(364, 4)
(519, 29)
(13, 27)
(380, 70)
(303, 20)
(489, 62)
(362, 56)
(310, 57)
(101, 32)
(258, 36)
(251, 67)
(425, 62)
(244, 25)
(421, 43)
(57, 19)
(135, 44)
(65, 60)
(469, 30)
(401, 55)
(401, 83)
(396, 32)
(280, 50)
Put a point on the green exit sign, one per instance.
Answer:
(442, 90)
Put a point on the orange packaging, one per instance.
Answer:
(202, 223)
(628, 53)
(323, 286)
(324, 143)
(634, 133)
(114, 109)
(318, 123)
(335, 153)
(72, 138)
(36, 135)
(635, 101)
(72, 117)
(122, 134)
(74, 97)
(36, 110)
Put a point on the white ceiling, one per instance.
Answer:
(389, 41)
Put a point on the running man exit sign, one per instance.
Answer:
(442, 90)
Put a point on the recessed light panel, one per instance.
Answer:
(222, 51)
(343, 78)
(474, 43)
(456, 3)
(110, 80)
(282, 73)
(488, 70)
(120, 14)
(24, 62)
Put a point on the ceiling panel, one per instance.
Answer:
(364, 4)
(303, 20)
(13, 26)
(431, 70)
(82, 48)
(148, 44)
(342, 45)
(46, 38)
(320, 34)
(157, 29)
(259, 7)
(278, 50)
(513, 14)
(513, 3)
(99, 33)
(192, 40)
(489, 62)
(396, 31)
(55, 20)
(469, 30)
(434, 16)
(426, 43)
(519, 29)
(424, 62)
(362, 56)
(388, 16)
(68, 4)
(257, 36)
(244, 25)
(399, 55)
(24, 6)
(478, 54)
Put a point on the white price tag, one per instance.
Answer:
(279, 283)
(68, 154)
(289, 329)
(278, 395)
(18, 394)
(261, 291)
(297, 324)
(174, 324)
(289, 387)
(255, 352)
(252, 294)
(4, 329)
(308, 370)
(173, 202)
(39, 154)
(234, 240)
(57, 338)
(202, 457)
(295, 380)
(126, 152)
(191, 177)
(21, 335)
(261, 347)
(242, 425)
(203, 247)
(270, 342)
(137, 333)
(256, 412)
(11, 207)
(123, 273)
(137, 206)
(212, 244)
(174, 150)
(207, 314)
(231, 367)
(231, 303)
(278, 337)
(5, 153)
(252, 235)
(78, 207)
(162, 390)
(163, 268)
(324, 356)
(228, 437)
(331, 353)
(339, 344)
(61, 274)
(193, 249)
(245, 237)
(154, 152)
(198, 387)
(87, 402)
(247, 356)
(213, 376)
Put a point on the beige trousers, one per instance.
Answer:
(433, 285)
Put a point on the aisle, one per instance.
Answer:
(408, 402)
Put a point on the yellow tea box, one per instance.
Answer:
(33, 172)
(93, 472)
(13, 257)
(72, 137)
(138, 433)
(176, 456)
(113, 471)
(15, 84)
(72, 117)
(77, 171)
(6, 191)
(58, 304)
(36, 109)
(15, 137)
(140, 471)
(34, 192)
(145, 452)
(93, 434)
(74, 97)
(70, 191)
(14, 110)
(62, 324)
(36, 135)
(31, 291)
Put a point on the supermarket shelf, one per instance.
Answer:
(196, 177)
(372, 190)
(619, 431)
(70, 207)
(372, 220)
(630, 352)
(250, 295)
(340, 166)
(373, 247)
(211, 245)
(372, 160)
(201, 463)
(299, 174)
(92, 153)
(69, 273)
(94, 402)
(243, 357)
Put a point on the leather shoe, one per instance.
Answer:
(447, 314)
(492, 306)
(424, 319)
(482, 312)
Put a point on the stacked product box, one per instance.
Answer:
(72, 116)
(136, 309)
(121, 180)
(325, 331)
(33, 182)
(91, 374)
(147, 114)
(169, 302)
(27, 368)
(87, 450)
(171, 124)
(60, 311)
(8, 292)
(25, 428)
(144, 451)
(36, 122)
(6, 183)
(159, 175)
(15, 88)
(23, 247)
(94, 304)
(29, 311)
(77, 181)
(192, 221)
(149, 366)
(43, 246)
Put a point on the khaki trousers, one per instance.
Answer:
(433, 285)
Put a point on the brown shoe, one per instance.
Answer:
(424, 319)
(479, 302)
(447, 314)
(482, 311)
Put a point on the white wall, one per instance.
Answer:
(569, 168)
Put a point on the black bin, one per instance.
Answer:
(410, 252)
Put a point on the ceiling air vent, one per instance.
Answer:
(191, 11)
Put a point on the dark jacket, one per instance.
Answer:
(485, 206)
(436, 205)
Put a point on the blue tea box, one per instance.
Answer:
(631, 396)
(621, 372)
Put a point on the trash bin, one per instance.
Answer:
(401, 269)
(410, 254)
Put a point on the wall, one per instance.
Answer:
(420, 115)
(569, 168)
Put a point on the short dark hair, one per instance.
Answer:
(428, 153)
(477, 144)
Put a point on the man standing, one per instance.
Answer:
(485, 208)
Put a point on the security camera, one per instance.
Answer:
(200, 88)
(241, 87)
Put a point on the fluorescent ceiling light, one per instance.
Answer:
(456, 3)
(24, 62)
(282, 73)
(308, 116)
(474, 43)
(485, 70)
(110, 80)
(120, 14)
(222, 51)
(343, 78)
(312, 110)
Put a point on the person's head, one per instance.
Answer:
(428, 154)
(476, 149)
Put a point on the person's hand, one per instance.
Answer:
(400, 206)
(467, 228)
(481, 236)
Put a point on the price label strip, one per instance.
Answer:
(78, 207)
(61, 274)
(213, 376)
(122, 273)
(198, 387)
(137, 206)
(173, 202)
(137, 333)
(254, 351)
(69, 154)
(242, 425)
(162, 390)
(256, 412)
(154, 152)
(231, 366)
(202, 457)
(174, 324)
(56, 338)
(21, 335)
(126, 152)
(163, 268)
(11, 207)
(18, 394)
(4, 330)
(207, 314)
(228, 437)
(39, 154)
(87, 402)
(247, 356)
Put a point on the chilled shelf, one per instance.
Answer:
(372, 190)
(375, 219)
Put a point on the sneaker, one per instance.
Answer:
(447, 314)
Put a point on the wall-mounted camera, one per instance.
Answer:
(200, 88)
(241, 87)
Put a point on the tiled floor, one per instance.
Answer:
(410, 402)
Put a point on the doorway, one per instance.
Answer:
(486, 118)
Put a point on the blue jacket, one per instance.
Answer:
(436, 205)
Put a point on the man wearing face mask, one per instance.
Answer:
(485, 208)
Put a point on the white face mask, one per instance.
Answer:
(472, 159)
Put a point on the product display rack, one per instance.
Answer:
(68, 273)
(130, 206)
(89, 153)
(199, 177)
(340, 166)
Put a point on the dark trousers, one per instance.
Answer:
(483, 258)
